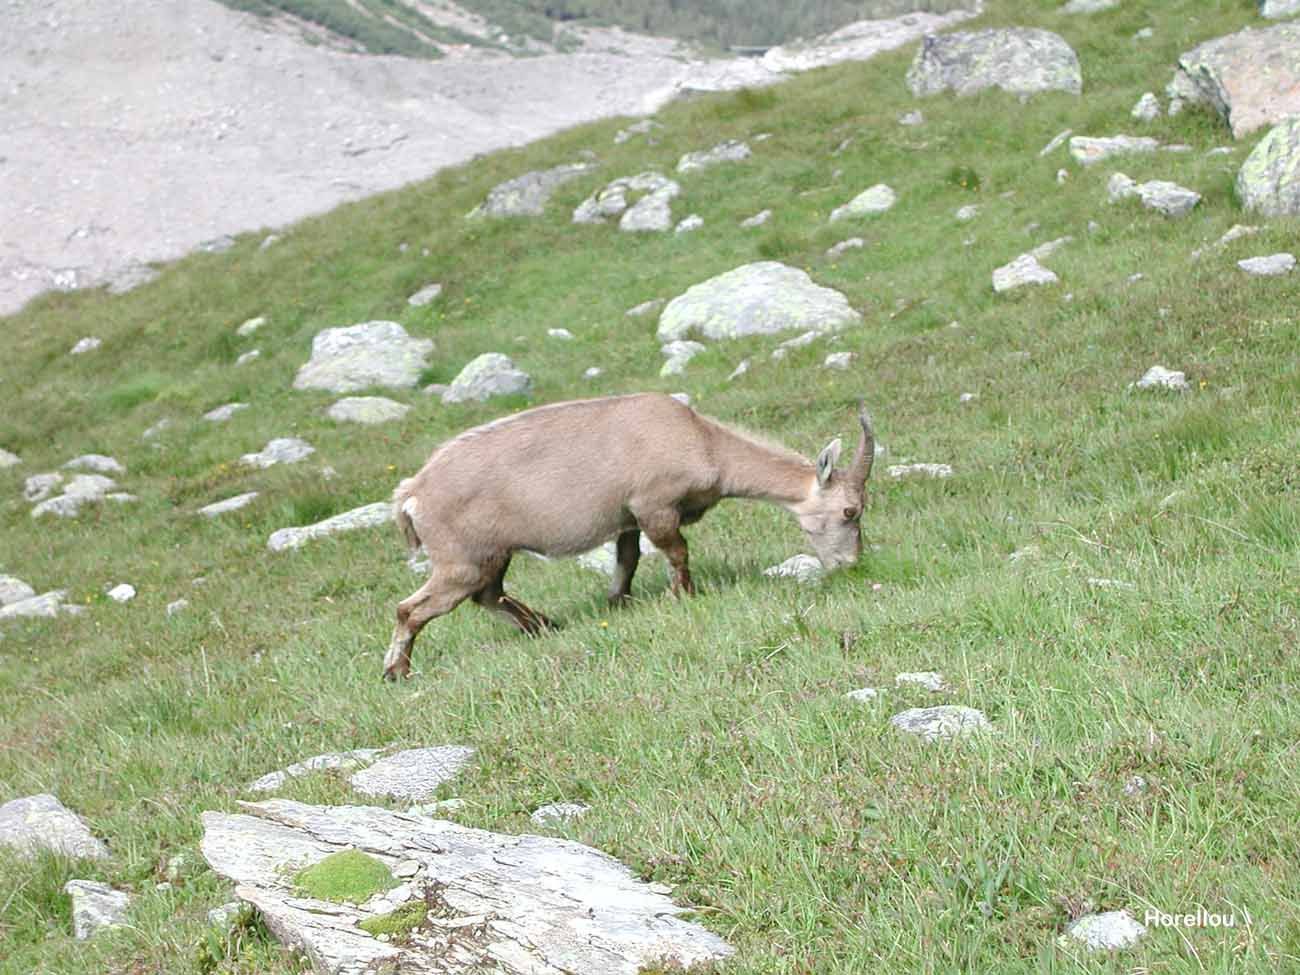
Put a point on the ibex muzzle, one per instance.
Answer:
(561, 479)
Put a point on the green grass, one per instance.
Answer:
(348, 876)
(402, 921)
(711, 736)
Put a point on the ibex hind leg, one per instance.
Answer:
(493, 597)
(628, 555)
(444, 591)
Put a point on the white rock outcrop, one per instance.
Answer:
(356, 357)
(366, 516)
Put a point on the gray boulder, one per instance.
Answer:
(1024, 270)
(801, 568)
(877, 199)
(757, 220)
(95, 906)
(495, 902)
(642, 202)
(764, 298)
(1110, 931)
(14, 590)
(941, 723)
(1276, 9)
(98, 463)
(731, 151)
(1158, 377)
(224, 412)
(228, 504)
(491, 374)
(41, 822)
(366, 516)
(1250, 79)
(1157, 194)
(8, 459)
(678, 353)
(367, 409)
(1147, 108)
(345, 360)
(1021, 61)
(413, 774)
(527, 195)
(38, 487)
(45, 606)
(81, 490)
(1268, 266)
(1269, 180)
(281, 450)
(1088, 150)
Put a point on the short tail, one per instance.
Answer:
(403, 504)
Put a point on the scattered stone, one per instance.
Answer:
(224, 916)
(424, 296)
(1030, 553)
(1147, 108)
(929, 679)
(88, 344)
(435, 389)
(877, 199)
(413, 774)
(898, 471)
(801, 568)
(1158, 377)
(844, 246)
(8, 459)
(1269, 180)
(941, 723)
(967, 397)
(1144, 34)
(177, 606)
(527, 195)
(1168, 198)
(755, 299)
(741, 368)
(250, 326)
(95, 906)
(281, 450)
(1135, 786)
(603, 558)
(269, 241)
(1061, 176)
(1024, 270)
(592, 372)
(367, 409)
(1058, 140)
(330, 760)
(1110, 931)
(912, 119)
(1250, 78)
(223, 413)
(798, 342)
(559, 812)
(1018, 60)
(217, 245)
(1268, 266)
(560, 333)
(153, 432)
(967, 213)
(129, 278)
(646, 308)
(45, 606)
(491, 374)
(863, 694)
(366, 516)
(1089, 6)
(644, 127)
(678, 353)
(687, 224)
(1043, 251)
(1275, 9)
(14, 590)
(1088, 151)
(98, 463)
(437, 810)
(122, 593)
(41, 822)
(248, 357)
(350, 359)
(652, 212)
(510, 904)
(229, 504)
(81, 490)
(1098, 583)
(683, 398)
(730, 151)
(757, 220)
(838, 360)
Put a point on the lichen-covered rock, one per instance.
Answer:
(1158, 377)
(281, 450)
(413, 774)
(1268, 266)
(876, 199)
(559, 812)
(367, 409)
(1269, 180)
(491, 374)
(38, 487)
(1110, 931)
(1021, 61)
(95, 906)
(485, 901)
(353, 358)
(732, 150)
(41, 822)
(1024, 270)
(527, 195)
(652, 211)
(755, 299)
(801, 568)
(366, 516)
(1087, 150)
(1250, 78)
(1157, 194)
(227, 504)
(940, 723)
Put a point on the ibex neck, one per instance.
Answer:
(749, 469)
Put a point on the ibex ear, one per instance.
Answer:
(826, 460)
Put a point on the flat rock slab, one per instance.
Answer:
(367, 409)
(366, 516)
(763, 298)
(413, 774)
(81, 490)
(1157, 194)
(1022, 61)
(1024, 270)
(1088, 150)
(801, 568)
(224, 412)
(859, 41)
(1269, 179)
(559, 812)
(941, 723)
(425, 295)
(1110, 931)
(41, 822)
(527, 195)
(488, 375)
(345, 760)
(1274, 9)
(517, 905)
(99, 463)
(45, 606)
(281, 450)
(14, 590)
(641, 202)
(350, 359)
(1250, 78)
(95, 906)
(1268, 266)
(929, 679)
(9, 459)
(228, 504)
(732, 150)
(1158, 377)
(876, 199)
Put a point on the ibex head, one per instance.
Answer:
(832, 513)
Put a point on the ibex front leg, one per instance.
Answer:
(664, 529)
(628, 550)
(444, 591)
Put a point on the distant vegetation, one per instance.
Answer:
(378, 26)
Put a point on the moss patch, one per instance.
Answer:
(405, 919)
(350, 876)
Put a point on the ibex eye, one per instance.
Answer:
(850, 514)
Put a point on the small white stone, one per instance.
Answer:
(967, 397)
(95, 906)
(8, 459)
(88, 344)
(177, 606)
(248, 357)
(1062, 176)
(122, 593)
(898, 471)
(740, 370)
(687, 224)
(229, 504)
(1268, 266)
(912, 119)
(592, 372)
(424, 296)
(223, 413)
(838, 250)
(1147, 108)
(1110, 931)
(98, 463)
(224, 916)
(559, 812)
(758, 219)
(940, 723)
(863, 694)
(1024, 270)
(1058, 140)
(838, 360)
(250, 326)
(683, 398)
(281, 450)
(1135, 786)
(930, 680)
(560, 333)
(1158, 377)
(801, 568)
(645, 308)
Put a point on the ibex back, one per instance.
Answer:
(561, 479)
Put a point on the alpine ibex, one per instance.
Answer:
(561, 479)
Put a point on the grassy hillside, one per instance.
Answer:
(711, 736)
